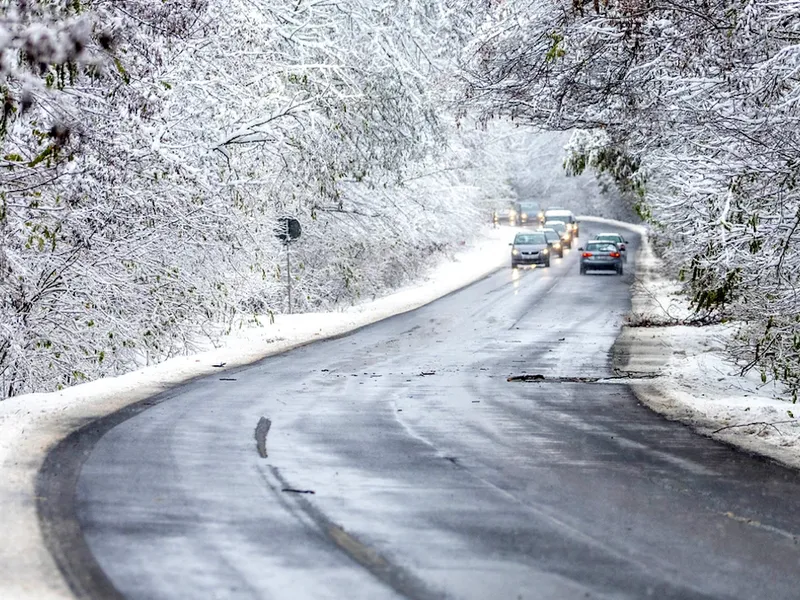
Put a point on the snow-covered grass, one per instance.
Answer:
(31, 424)
(698, 382)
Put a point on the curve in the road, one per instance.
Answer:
(434, 474)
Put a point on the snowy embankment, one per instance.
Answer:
(31, 424)
(698, 383)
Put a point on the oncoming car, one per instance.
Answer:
(555, 242)
(530, 249)
(601, 255)
(507, 214)
(561, 228)
(618, 240)
(562, 214)
(529, 213)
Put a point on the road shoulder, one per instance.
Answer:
(691, 377)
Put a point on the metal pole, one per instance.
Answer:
(289, 277)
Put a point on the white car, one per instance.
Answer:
(562, 214)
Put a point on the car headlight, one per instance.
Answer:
(515, 252)
(524, 216)
(545, 251)
(557, 245)
(512, 213)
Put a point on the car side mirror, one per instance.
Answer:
(625, 241)
(510, 244)
(580, 249)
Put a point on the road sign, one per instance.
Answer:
(288, 229)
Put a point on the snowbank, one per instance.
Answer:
(31, 424)
(697, 382)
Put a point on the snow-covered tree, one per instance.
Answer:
(90, 271)
(691, 109)
(149, 148)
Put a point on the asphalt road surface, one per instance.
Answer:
(433, 476)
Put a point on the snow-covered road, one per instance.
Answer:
(432, 474)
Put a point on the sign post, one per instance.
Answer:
(288, 229)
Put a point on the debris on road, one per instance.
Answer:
(526, 377)
(262, 429)
(581, 379)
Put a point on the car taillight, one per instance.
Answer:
(615, 255)
(586, 254)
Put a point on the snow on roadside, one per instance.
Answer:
(31, 424)
(698, 382)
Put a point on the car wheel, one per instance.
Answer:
(561, 254)
(547, 264)
(619, 270)
(583, 271)
(514, 265)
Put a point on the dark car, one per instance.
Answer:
(555, 242)
(561, 228)
(530, 249)
(600, 255)
(529, 213)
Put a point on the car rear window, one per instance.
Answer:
(551, 235)
(530, 238)
(610, 236)
(557, 225)
(601, 247)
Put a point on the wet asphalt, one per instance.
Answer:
(403, 463)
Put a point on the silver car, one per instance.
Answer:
(530, 249)
(600, 255)
(618, 240)
(555, 242)
(561, 228)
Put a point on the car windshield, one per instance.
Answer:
(559, 226)
(529, 208)
(560, 216)
(551, 235)
(601, 247)
(529, 238)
